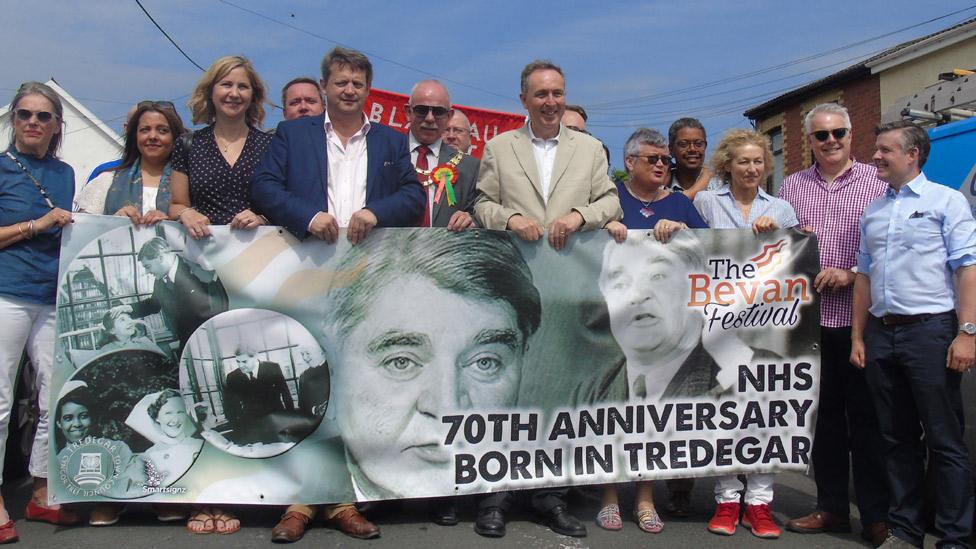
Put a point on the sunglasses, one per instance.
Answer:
(43, 117)
(421, 111)
(653, 159)
(156, 105)
(838, 133)
(699, 144)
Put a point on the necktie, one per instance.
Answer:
(422, 164)
(640, 387)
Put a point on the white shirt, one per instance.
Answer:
(347, 172)
(545, 158)
(432, 157)
(171, 273)
(149, 198)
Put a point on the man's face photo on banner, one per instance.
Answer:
(428, 340)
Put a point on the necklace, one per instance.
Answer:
(646, 211)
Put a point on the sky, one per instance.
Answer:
(630, 64)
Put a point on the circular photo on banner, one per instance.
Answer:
(258, 379)
(121, 428)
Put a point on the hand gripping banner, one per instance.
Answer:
(250, 367)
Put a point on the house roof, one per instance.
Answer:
(876, 63)
(89, 118)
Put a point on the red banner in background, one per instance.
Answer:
(389, 108)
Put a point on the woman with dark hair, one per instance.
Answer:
(139, 188)
(36, 190)
(122, 332)
(211, 176)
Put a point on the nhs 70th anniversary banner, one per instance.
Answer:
(252, 368)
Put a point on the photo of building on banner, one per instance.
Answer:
(390, 108)
(426, 363)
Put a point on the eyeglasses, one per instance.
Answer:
(25, 115)
(838, 133)
(653, 159)
(698, 144)
(156, 105)
(421, 111)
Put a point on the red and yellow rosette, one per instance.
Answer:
(446, 176)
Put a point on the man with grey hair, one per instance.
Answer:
(429, 109)
(914, 334)
(689, 174)
(829, 198)
(458, 132)
(542, 176)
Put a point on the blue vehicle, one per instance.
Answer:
(952, 161)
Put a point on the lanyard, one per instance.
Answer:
(37, 183)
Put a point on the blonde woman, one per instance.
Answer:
(212, 167)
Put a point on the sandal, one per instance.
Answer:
(609, 517)
(223, 520)
(200, 522)
(648, 520)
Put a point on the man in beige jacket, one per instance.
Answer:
(543, 177)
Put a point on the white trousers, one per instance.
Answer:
(23, 323)
(759, 489)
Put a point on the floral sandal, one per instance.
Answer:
(609, 517)
(648, 520)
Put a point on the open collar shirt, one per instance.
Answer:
(347, 171)
(833, 211)
(545, 158)
(911, 243)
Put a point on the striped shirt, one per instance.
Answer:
(833, 212)
(720, 211)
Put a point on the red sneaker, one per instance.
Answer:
(725, 518)
(760, 519)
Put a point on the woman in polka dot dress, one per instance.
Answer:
(212, 171)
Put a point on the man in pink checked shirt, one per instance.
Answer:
(829, 198)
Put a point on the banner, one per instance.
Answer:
(252, 368)
(390, 108)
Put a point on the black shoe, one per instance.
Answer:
(444, 513)
(561, 522)
(490, 522)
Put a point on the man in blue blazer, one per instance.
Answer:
(338, 169)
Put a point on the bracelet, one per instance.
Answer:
(179, 216)
(31, 231)
(20, 227)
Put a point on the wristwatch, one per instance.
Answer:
(967, 328)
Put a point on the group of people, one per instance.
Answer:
(897, 284)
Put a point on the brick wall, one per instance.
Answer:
(862, 98)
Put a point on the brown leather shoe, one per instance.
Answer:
(290, 528)
(351, 523)
(819, 521)
(874, 533)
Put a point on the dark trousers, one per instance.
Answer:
(915, 393)
(543, 499)
(847, 430)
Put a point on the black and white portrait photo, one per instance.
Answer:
(260, 375)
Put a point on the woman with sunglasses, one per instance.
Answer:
(647, 204)
(36, 190)
(743, 159)
(139, 188)
(212, 171)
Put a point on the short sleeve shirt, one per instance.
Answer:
(218, 190)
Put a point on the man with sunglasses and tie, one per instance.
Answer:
(829, 198)
(430, 111)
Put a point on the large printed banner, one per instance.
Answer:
(252, 368)
(389, 108)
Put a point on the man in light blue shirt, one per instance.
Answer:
(916, 259)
